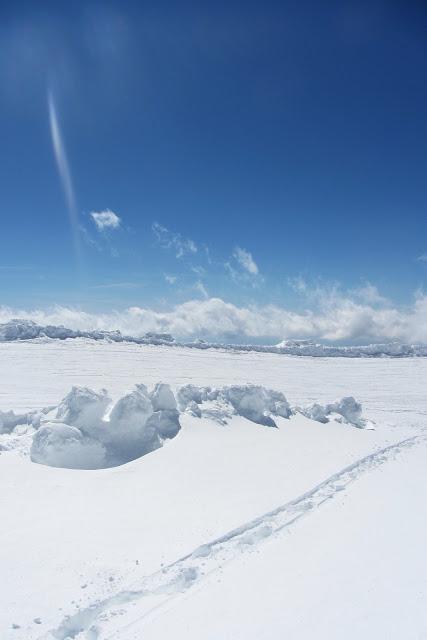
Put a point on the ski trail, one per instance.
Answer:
(190, 569)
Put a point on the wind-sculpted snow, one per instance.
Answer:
(16, 330)
(87, 431)
(256, 403)
(60, 445)
(346, 410)
(85, 434)
(9, 420)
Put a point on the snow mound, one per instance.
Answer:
(261, 405)
(9, 420)
(346, 410)
(256, 403)
(82, 432)
(85, 436)
(162, 398)
(60, 445)
(191, 393)
(84, 409)
(129, 433)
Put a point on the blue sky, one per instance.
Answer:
(252, 152)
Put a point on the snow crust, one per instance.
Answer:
(20, 329)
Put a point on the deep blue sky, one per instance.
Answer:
(296, 131)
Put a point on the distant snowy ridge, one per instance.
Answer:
(18, 329)
(87, 431)
(29, 330)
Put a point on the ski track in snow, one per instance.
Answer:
(191, 569)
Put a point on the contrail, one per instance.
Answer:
(64, 174)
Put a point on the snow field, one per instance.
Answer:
(231, 528)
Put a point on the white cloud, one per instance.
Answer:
(170, 279)
(170, 240)
(106, 219)
(298, 284)
(336, 317)
(200, 287)
(199, 271)
(246, 261)
(422, 258)
(370, 294)
(116, 285)
(87, 237)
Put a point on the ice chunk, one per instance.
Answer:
(129, 433)
(193, 409)
(84, 408)
(256, 403)
(251, 402)
(19, 330)
(60, 445)
(192, 393)
(9, 420)
(158, 338)
(316, 412)
(165, 422)
(162, 397)
(348, 409)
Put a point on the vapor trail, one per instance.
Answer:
(64, 174)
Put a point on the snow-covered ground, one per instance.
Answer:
(230, 531)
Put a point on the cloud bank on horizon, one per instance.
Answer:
(353, 316)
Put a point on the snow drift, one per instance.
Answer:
(345, 410)
(60, 445)
(87, 431)
(18, 329)
(84, 434)
(256, 403)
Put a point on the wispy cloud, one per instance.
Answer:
(64, 173)
(369, 293)
(422, 257)
(243, 269)
(89, 240)
(170, 240)
(246, 261)
(200, 287)
(106, 219)
(117, 285)
(199, 270)
(170, 279)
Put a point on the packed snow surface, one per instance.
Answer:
(253, 505)
(29, 330)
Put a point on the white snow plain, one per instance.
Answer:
(231, 528)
